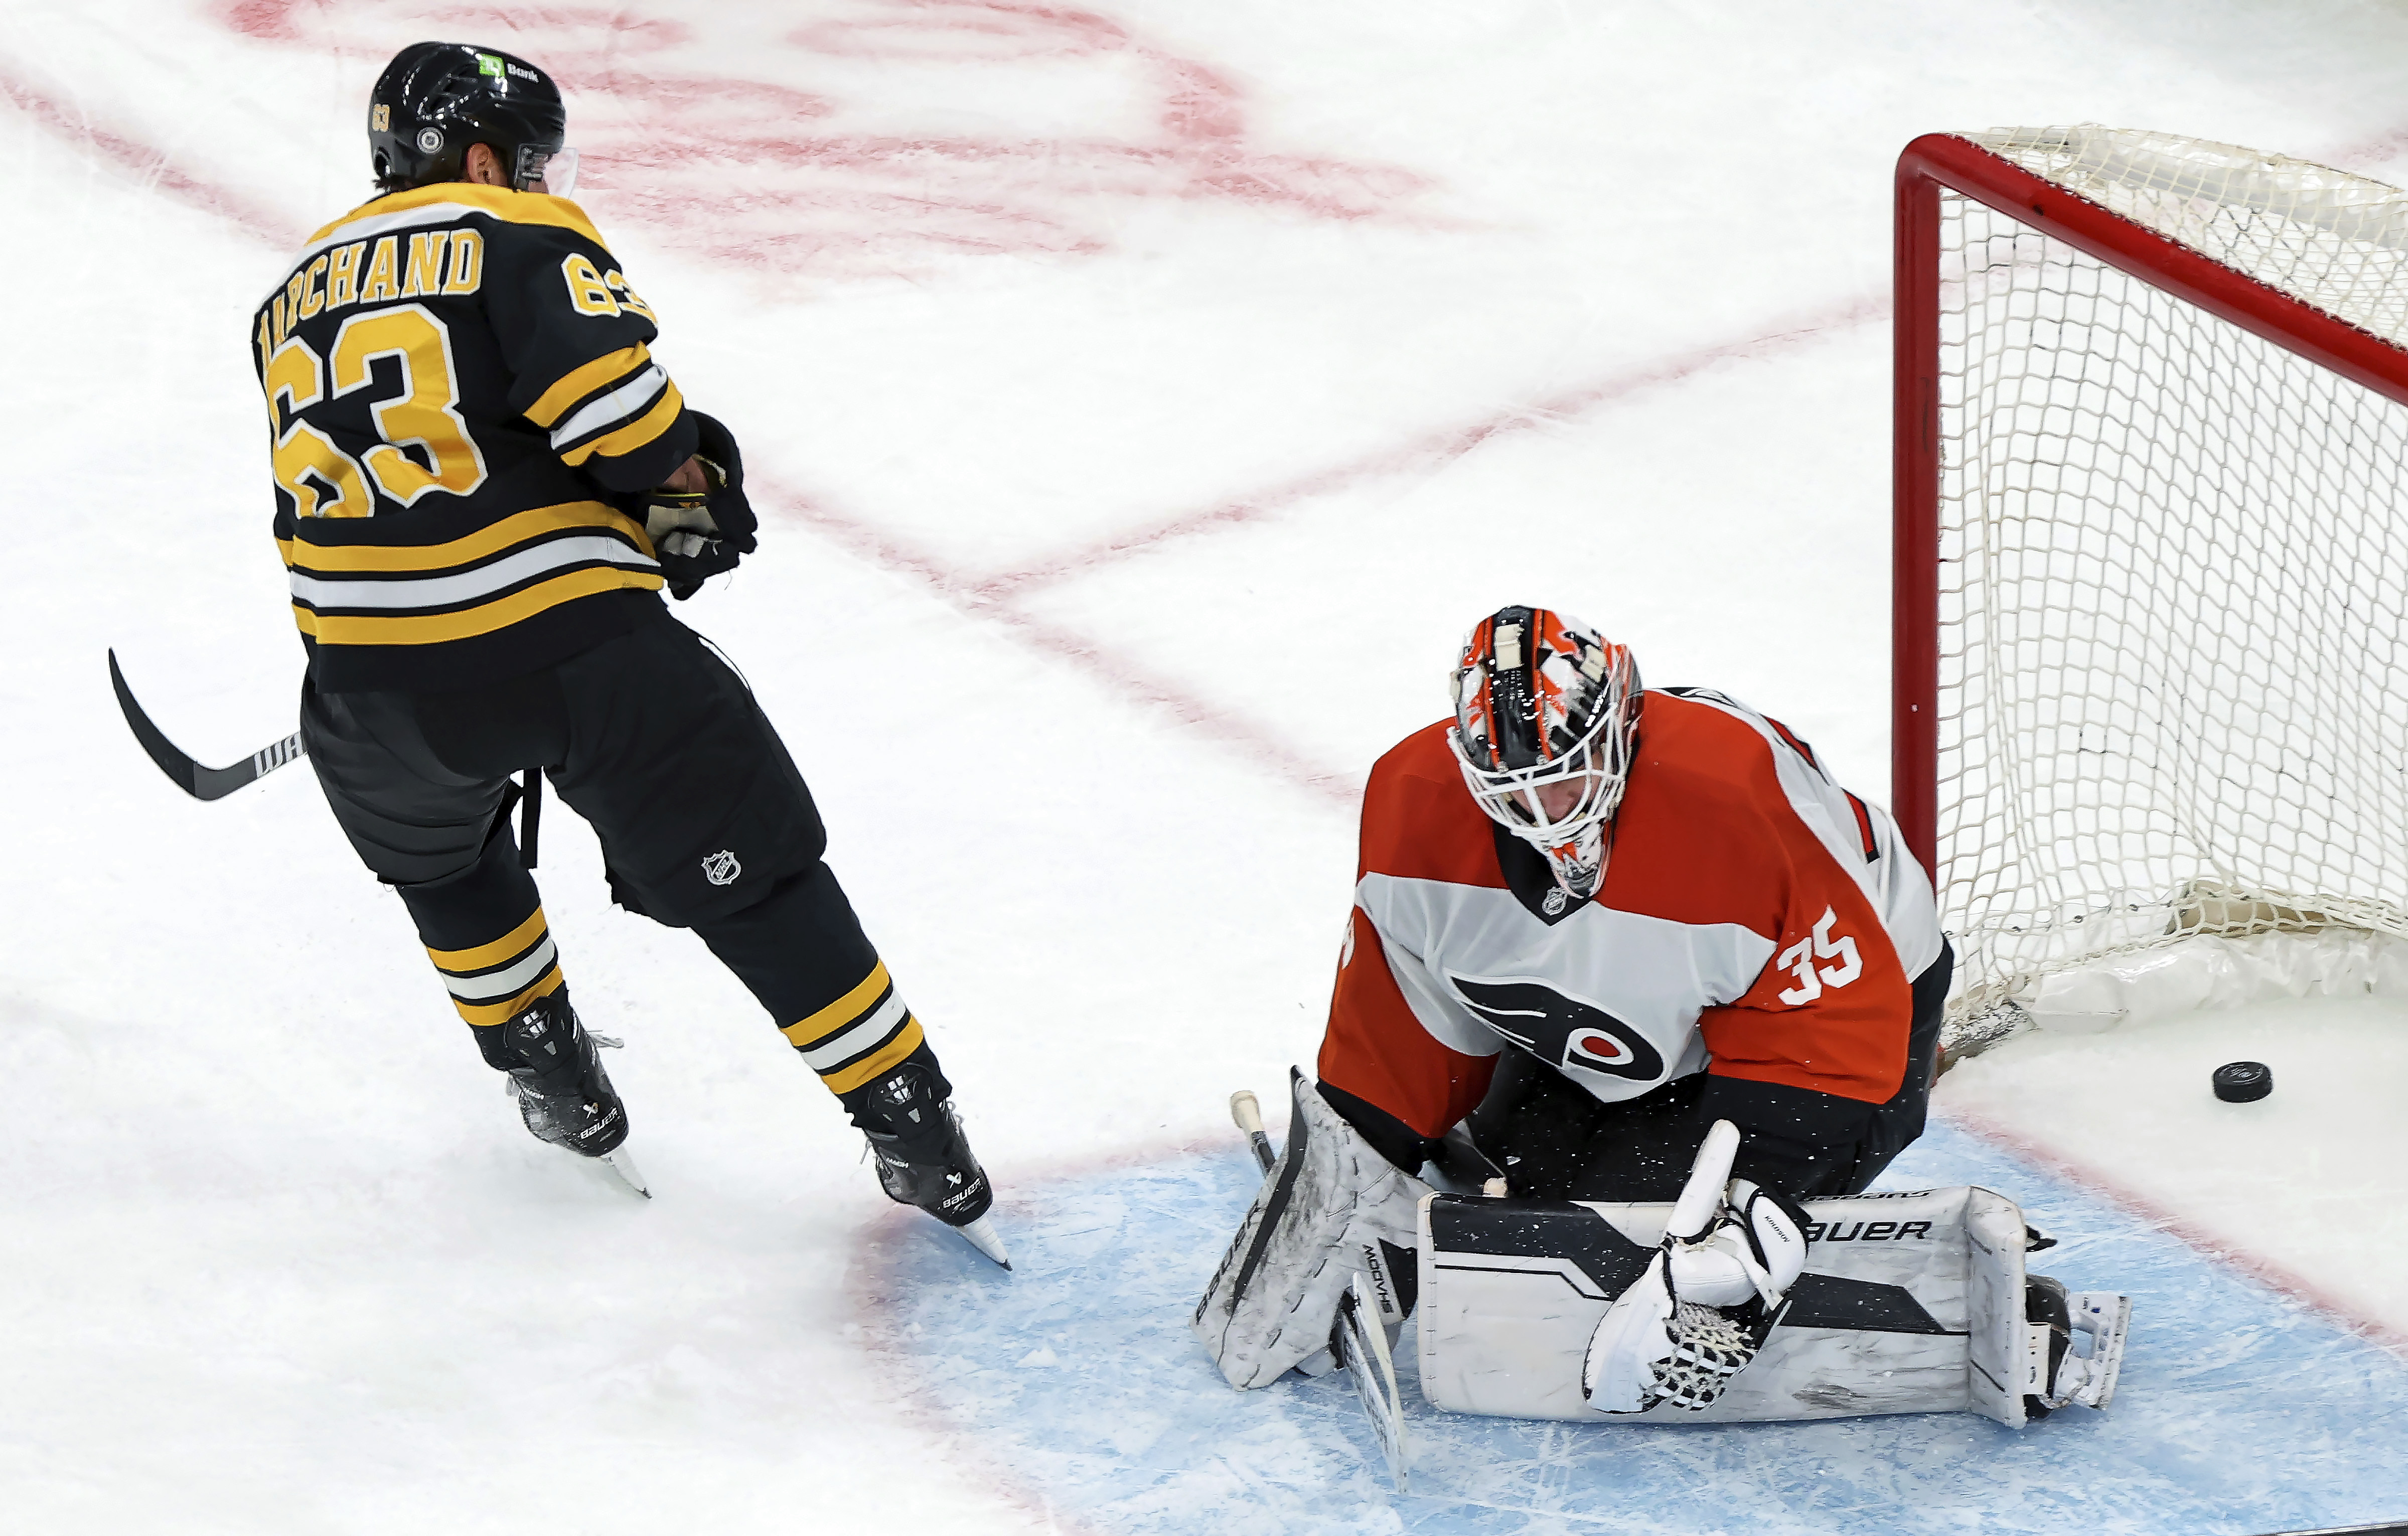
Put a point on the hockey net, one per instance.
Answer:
(2152, 641)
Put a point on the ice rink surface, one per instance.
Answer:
(1142, 400)
(2226, 1394)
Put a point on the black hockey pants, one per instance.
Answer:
(1555, 1142)
(704, 821)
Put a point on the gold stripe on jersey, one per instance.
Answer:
(433, 629)
(425, 594)
(446, 201)
(634, 434)
(859, 1036)
(490, 983)
(519, 527)
(586, 379)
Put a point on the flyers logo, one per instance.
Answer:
(1563, 1031)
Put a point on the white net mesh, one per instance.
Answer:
(2174, 661)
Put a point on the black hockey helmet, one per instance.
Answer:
(436, 99)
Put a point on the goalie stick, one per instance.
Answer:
(197, 780)
(1357, 1339)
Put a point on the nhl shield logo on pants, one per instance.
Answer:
(720, 868)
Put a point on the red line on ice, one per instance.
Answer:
(801, 183)
(2273, 1276)
(1429, 450)
(152, 166)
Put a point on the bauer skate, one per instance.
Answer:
(564, 1094)
(924, 1159)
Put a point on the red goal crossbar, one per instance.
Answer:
(1944, 161)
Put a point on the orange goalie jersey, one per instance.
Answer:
(1754, 921)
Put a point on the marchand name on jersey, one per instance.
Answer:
(392, 267)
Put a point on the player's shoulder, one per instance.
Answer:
(505, 216)
(1718, 808)
(1712, 772)
(1421, 759)
(1708, 743)
(1419, 822)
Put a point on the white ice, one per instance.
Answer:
(1400, 311)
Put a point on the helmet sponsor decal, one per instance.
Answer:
(429, 140)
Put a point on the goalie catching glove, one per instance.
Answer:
(1708, 1295)
(1331, 1206)
(698, 535)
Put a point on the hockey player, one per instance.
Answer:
(483, 480)
(1590, 923)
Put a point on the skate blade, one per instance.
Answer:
(624, 1167)
(986, 1240)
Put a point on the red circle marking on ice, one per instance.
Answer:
(791, 174)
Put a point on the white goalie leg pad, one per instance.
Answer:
(1331, 1206)
(1909, 1302)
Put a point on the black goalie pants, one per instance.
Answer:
(704, 821)
(1555, 1142)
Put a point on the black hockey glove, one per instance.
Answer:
(697, 536)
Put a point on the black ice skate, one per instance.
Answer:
(924, 1160)
(564, 1094)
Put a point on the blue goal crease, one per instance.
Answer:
(2238, 1411)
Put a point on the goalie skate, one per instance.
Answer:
(2074, 1346)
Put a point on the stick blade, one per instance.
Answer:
(197, 780)
(172, 761)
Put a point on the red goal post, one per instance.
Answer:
(2148, 414)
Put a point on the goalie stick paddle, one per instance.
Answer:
(1361, 1345)
(200, 781)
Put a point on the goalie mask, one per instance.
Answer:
(1546, 719)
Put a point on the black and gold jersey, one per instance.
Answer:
(461, 398)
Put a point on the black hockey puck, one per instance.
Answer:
(2242, 1081)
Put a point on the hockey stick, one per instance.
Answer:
(1361, 1347)
(1356, 1337)
(1247, 1111)
(1701, 1198)
(194, 779)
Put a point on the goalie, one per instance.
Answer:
(1590, 924)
